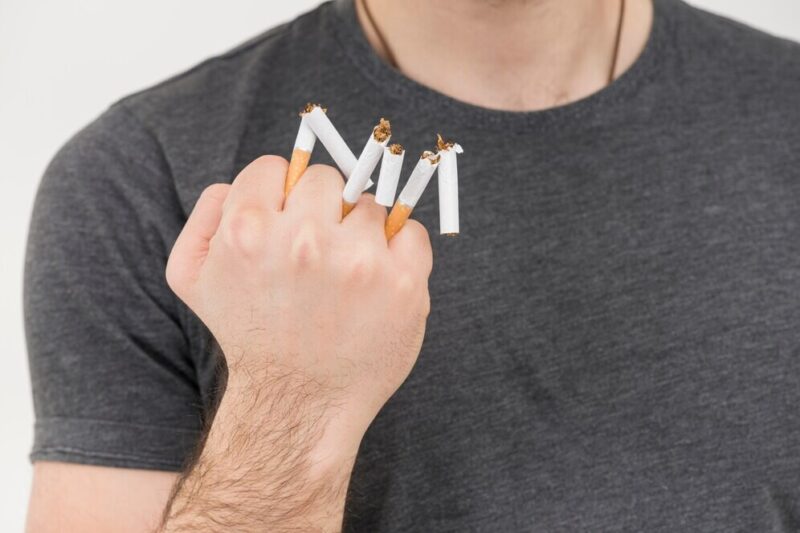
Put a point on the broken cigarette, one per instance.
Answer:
(391, 165)
(365, 166)
(326, 132)
(448, 186)
(301, 154)
(411, 193)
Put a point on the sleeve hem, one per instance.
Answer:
(101, 459)
(115, 444)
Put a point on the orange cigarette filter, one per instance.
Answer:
(396, 219)
(346, 208)
(411, 193)
(297, 165)
(301, 154)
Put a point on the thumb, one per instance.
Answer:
(191, 248)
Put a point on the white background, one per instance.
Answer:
(61, 63)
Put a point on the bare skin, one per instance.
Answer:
(299, 399)
(72, 498)
(514, 55)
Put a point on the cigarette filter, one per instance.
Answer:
(411, 193)
(301, 154)
(366, 164)
(391, 165)
(448, 186)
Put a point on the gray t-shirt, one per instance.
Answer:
(614, 343)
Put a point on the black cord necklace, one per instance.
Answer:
(390, 57)
(617, 40)
(379, 34)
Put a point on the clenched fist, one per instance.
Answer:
(319, 318)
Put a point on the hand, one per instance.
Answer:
(289, 287)
(319, 318)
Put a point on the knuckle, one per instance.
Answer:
(361, 266)
(266, 163)
(216, 191)
(306, 248)
(243, 231)
(405, 283)
(373, 209)
(367, 198)
(324, 175)
(418, 232)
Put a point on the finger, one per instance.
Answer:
(259, 185)
(191, 247)
(318, 195)
(367, 209)
(368, 216)
(411, 246)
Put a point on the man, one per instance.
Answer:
(612, 341)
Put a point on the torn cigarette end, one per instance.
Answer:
(309, 107)
(382, 131)
(396, 219)
(297, 165)
(324, 130)
(448, 186)
(411, 193)
(391, 166)
(430, 156)
(441, 144)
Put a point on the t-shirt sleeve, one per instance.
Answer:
(113, 379)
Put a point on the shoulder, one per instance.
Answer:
(218, 84)
(748, 61)
(197, 121)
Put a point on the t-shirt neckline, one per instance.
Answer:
(348, 32)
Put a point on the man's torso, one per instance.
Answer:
(613, 343)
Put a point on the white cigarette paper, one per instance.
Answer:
(326, 132)
(301, 154)
(410, 194)
(333, 142)
(305, 139)
(419, 179)
(359, 180)
(448, 187)
(391, 166)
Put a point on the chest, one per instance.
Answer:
(617, 295)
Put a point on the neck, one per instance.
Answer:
(517, 55)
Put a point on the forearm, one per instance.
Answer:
(275, 459)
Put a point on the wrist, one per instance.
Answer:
(287, 409)
(274, 454)
(292, 394)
